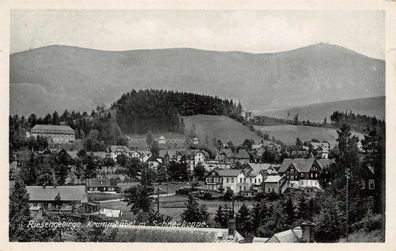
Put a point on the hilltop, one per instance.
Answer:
(62, 77)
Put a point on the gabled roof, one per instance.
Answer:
(227, 152)
(228, 172)
(53, 129)
(257, 168)
(325, 163)
(162, 138)
(242, 154)
(67, 193)
(173, 234)
(301, 165)
(114, 148)
(289, 236)
(272, 179)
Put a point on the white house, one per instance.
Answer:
(233, 179)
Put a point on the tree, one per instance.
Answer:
(122, 159)
(296, 119)
(223, 215)
(19, 215)
(329, 221)
(229, 194)
(138, 198)
(299, 144)
(108, 162)
(199, 171)
(61, 162)
(195, 212)
(243, 222)
(58, 201)
(133, 167)
(289, 211)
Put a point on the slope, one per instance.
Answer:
(75, 78)
(317, 112)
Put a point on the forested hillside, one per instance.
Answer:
(159, 110)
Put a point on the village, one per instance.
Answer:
(177, 172)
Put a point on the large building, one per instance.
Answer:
(59, 134)
(45, 197)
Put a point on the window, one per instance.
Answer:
(312, 175)
(227, 180)
(240, 180)
(232, 180)
(301, 175)
(269, 190)
(371, 184)
(251, 180)
(362, 184)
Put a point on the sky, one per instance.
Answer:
(223, 30)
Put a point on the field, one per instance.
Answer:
(221, 127)
(289, 133)
(173, 206)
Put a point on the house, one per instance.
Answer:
(301, 234)
(233, 179)
(256, 173)
(275, 184)
(58, 134)
(242, 156)
(116, 151)
(301, 173)
(321, 149)
(153, 162)
(225, 156)
(168, 232)
(102, 185)
(44, 196)
(135, 154)
(162, 140)
(367, 182)
(210, 165)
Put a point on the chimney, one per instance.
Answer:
(308, 232)
(231, 228)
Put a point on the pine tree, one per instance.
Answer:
(289, 211)
(243, 222)
(19, 215)
(194, 212)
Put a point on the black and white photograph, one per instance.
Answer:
(197, 126)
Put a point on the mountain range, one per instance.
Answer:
(63, 77)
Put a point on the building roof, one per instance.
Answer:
(173, 234)
(289, 236)
(227, 152)
(48, 193)
(162, 138)
(257, 168)
(101, 182)
(242, 154)
(325, 163)
(115, 148)
(228, 172)
(273, 179)
(301, 165)
(52, 129)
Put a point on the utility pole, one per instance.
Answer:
(158, 203)
(348, 176)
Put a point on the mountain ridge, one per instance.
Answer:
(77, 78)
